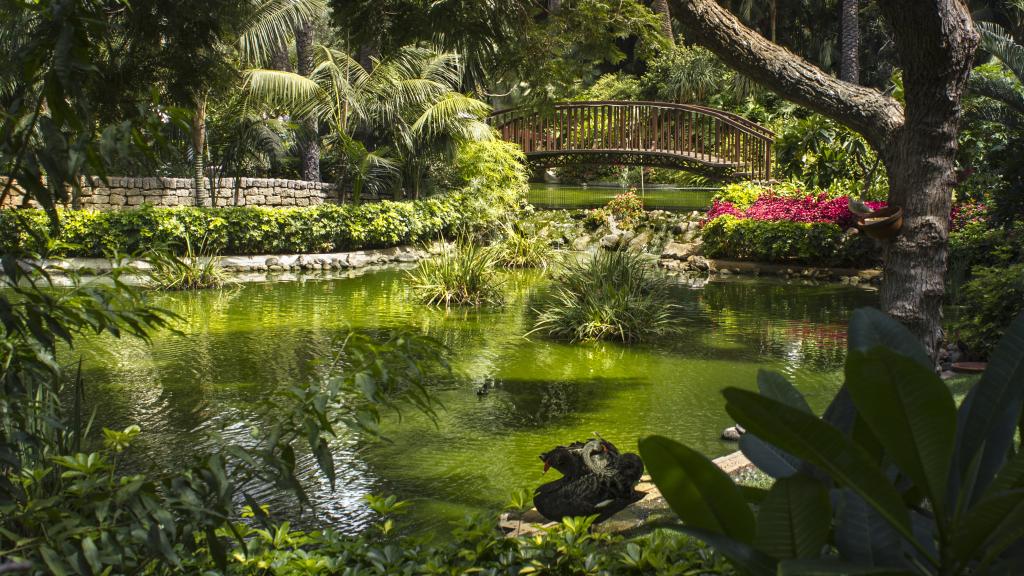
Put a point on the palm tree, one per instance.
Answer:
(407, 103)
(267, 26)
(849, 61)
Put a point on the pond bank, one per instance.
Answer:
(630, 521)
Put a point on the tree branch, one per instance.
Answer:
(865, 110)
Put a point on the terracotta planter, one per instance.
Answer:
(882, 224)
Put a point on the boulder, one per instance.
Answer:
(680, 251)
(582, 243)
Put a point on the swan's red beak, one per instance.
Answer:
(546, 467)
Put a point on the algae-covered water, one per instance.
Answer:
(237, 347)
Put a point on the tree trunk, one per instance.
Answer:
(660, 7)
(849, 59)
(935, 40)
(554, 6)
(936, 51)
(309, 142)
(774, 18)
(202, 198)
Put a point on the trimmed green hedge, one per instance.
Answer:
(785, 242)
(243, 230)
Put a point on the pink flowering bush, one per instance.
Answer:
(809, 208)
(966, 213)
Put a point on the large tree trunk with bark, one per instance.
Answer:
(935, 40)
(849, 60)
(660, 7)
(309, 142)
(202, 198)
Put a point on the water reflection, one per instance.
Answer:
(194, 390)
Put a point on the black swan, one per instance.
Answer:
(596, 479)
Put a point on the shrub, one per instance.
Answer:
(627, 208)
(463, 275)
(894, 478)
(609, 295)
(783, 241)
(249, 230)
(990, 301)
(520, 246)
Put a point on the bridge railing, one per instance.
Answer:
(688, 133)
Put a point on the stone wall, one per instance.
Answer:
(125, 192)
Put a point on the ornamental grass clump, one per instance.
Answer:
(618, 296)
(196, 269)
(462, 276)
(521, 247)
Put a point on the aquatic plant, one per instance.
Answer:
(195, 269)
(465, 275)
(521, 247)
(609, 295)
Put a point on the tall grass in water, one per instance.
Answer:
(463, 276)
(196, 269)
(521, 247)
(618, 295)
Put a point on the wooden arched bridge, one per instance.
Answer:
(685, 136)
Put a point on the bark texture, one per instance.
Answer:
(935, 40)
(849, 59)
(198, 150)
(660, 7)
(309, 143)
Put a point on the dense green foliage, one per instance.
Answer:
(617, 295)
(894, 478)
(988, 301)
(783, 241)
(239, 230)
(464, 275)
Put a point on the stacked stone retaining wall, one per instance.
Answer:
(126, 192)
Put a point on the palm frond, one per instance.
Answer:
(454, 113)
(301, 95)
(272, 24)
(1003, 89)
(999, 43)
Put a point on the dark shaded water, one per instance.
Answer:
(239, 346)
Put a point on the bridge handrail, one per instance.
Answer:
(748, 126)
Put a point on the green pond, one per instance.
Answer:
(659, 198)
(237, 347)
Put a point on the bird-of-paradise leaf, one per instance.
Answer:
(811, 439)
(698, 491)
(794, 519)
(911, 413)
(988, 416)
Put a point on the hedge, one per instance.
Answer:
(240, 230)
(784, 242)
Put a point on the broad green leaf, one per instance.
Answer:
(745, 557)
(992, 521)
(698, 491)
(911, 413)
(862, 536)
(775, 386)
(769, 459)
(794, 519)
(988, 416)
(827, 567)
(807, 437)
(1010, 477)
(871, 328)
